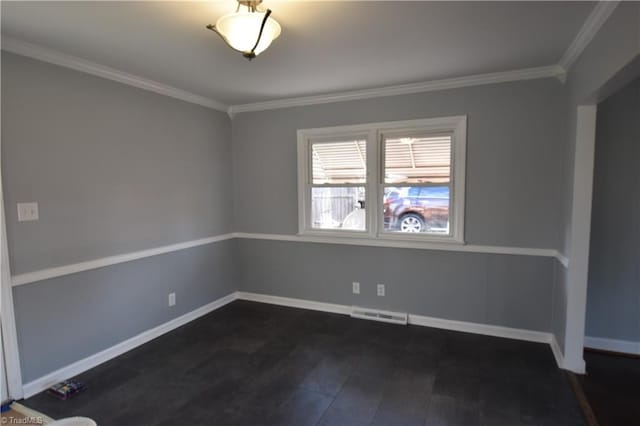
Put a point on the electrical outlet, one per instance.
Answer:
(380, 289)
(27, 212)
(356, 287)
(172, 299)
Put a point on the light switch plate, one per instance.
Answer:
(172, 299)
(356, 287)
(27, 212)
(381, 291)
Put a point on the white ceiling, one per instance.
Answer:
(324, 46)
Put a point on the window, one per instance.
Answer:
(338, 179)
(417, 182)
(396, 180)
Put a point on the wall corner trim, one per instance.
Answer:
(599, 15)
(580, 231)
(51, 56)
(44, 382)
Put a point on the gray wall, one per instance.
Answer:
(615, 45)
(65, 319)
(510, 291)
(117, 169)
(114, 169)
(613, 302)
(513, 166)
(513, 170)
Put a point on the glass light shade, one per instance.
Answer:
(241, 30)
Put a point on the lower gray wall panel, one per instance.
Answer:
(65, 319)
(505, 290)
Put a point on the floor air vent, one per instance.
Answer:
(377, 315)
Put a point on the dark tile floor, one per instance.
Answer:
(258, 364)
(612, 387)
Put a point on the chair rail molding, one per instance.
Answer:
(58, 271)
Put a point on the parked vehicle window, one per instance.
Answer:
(398, 180)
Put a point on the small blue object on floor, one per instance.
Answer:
(6, 406)
(66, 389)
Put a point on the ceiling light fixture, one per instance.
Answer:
(248, 31)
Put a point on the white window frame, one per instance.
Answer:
(374, 186)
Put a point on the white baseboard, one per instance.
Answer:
(467, 327)
(614, 345)
(295, 303)
(44, 382)
(557, 352)
(485, 329)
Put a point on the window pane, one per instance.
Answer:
(416, 209)
(339, 162)
(338, 208)
(417, 159)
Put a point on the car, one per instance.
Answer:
(417, 209)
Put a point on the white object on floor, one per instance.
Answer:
(19, 408)
(73, 421)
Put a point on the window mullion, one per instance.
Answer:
(373, 171)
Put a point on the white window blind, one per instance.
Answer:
(418, 159)
(339, 162)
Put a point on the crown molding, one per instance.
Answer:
(598, 16)
(601, 12)
(45, 54)
(404, 89)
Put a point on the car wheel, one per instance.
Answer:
(411, 223)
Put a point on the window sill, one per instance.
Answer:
(385, 240)
(427, 239)
(374, 242)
